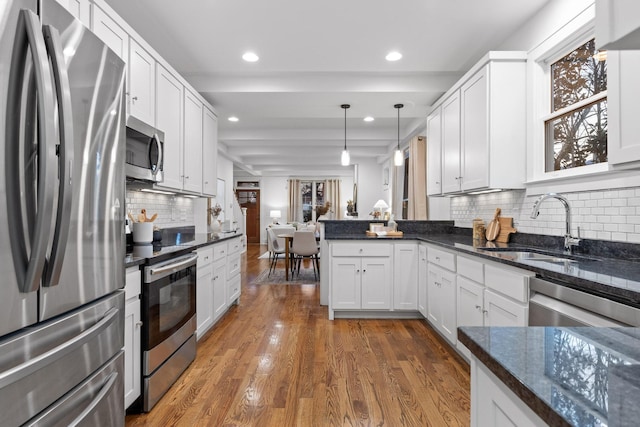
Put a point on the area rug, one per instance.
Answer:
(277, 277)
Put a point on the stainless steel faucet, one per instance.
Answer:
(569, 240)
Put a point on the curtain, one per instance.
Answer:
(295, 208)
(417, 206)
(332, 194)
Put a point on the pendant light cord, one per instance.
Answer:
(398, 107)
(345, 106)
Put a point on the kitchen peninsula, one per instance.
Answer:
(528, 375)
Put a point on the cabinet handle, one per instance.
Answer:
(485, 311)
(360, 250)
(357, 271)
(437, 258)
(138, 324)
(478, 307)
(364, 271)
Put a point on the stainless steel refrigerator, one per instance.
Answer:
(62, 136)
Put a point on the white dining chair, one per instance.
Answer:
(304, 246)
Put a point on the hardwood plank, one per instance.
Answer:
(277, 360)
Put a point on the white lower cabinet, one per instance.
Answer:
(361, 277)
(132, 336)
(219, 288)
(422, 279)
(441, 303)
(405, 276)
(218, 282)
(204, 291)
(493, 404)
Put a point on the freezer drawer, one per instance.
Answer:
(42, 363)
(96, 402)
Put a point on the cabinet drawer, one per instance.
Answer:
(233, 265)
(233, 291)
(471, 269)
(234, 246)
(132, 283)
(361, 249)
(219, 251)
(443, 259)
(205, 256)
(512, 283)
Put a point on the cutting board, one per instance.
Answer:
(506, 228)
(493, 229)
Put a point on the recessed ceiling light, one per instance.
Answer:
(368, 119)
(393, 56)
(250, 57)
(233, 119)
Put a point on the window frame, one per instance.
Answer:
(577, 32)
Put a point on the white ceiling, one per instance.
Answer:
(314, 56)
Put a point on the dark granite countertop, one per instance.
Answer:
(144, 253)
(579, 376)
(615, 276)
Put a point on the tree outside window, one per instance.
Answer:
(576, 130)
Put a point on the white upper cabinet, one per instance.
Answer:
(192, 142)
(451, 144)
(142, 83)
(617, 24)
(209, 152)
(81, 9)
(110, 32)
(483, 127)
(169, 102)
(434, 152)
(624, 126)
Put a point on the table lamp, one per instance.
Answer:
(378, 208)
(276, 215)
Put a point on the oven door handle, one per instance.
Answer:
(174, 266)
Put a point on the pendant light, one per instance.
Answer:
(398, 158)
(345, 153)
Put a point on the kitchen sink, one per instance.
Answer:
(534, 254)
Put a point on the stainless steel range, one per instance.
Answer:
(168, 318)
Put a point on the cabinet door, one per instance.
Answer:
(233, 289)
(169, 96)
(219, 288)
(204, 301)
(422, 280)
(617, 26)
(345, 282)
(80, 9)
(112, 34)
(434, 295)
(405, 280)
(474, 137)
(132, 356)
(624, 128)
(434, 152)
(451, 144)
(470, 303)
(209, 153)
(448, 306)
(142, 83)
(502, 311)
(192, 143)
(375, 282)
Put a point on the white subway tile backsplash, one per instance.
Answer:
(173, 211)
(607, 215)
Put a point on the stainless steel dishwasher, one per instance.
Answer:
(552, 304)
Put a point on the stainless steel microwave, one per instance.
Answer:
(145, 151)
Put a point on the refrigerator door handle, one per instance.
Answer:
(46, 152)
(65, 153)
(38, 362)
(104, 392)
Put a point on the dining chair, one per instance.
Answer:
(276, 245)
(304, 246)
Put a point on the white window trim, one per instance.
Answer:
(576, 32)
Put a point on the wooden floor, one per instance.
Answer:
(276, 360)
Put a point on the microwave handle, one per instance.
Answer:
(155, 168)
